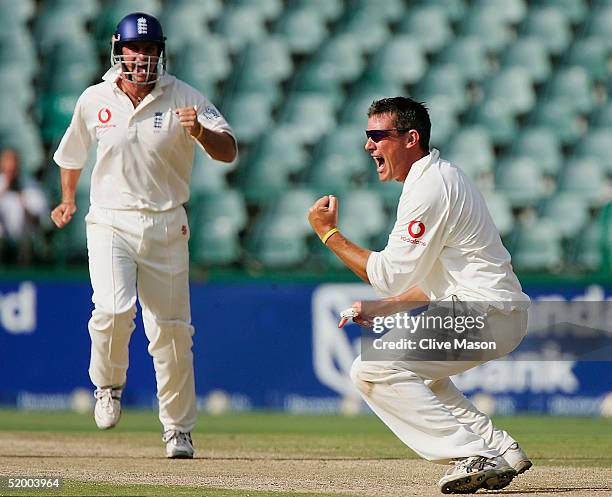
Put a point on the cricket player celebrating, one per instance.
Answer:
(444, 244)
(145, 124)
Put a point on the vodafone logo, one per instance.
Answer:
(416, 229)
(104, 115)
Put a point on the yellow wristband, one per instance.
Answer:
(200, 133)
(329, 234)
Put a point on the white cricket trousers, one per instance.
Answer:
(419, 402)
(145, 252)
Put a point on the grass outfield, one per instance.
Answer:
(270, 440)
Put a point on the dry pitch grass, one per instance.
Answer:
(287, 455)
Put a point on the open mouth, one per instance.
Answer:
(380, 163)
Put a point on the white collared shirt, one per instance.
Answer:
(444, 241)
(144, 156)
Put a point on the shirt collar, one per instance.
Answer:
(420, 166)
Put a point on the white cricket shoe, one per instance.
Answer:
(108, 407)
(517, 458)
(178, 444)
(471, 473)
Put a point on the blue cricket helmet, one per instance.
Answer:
(139, 26)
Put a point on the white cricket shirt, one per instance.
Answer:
(144, 156)
(445, 241)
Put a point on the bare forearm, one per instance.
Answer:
(69, 179)
(220, 145)
(353, 256)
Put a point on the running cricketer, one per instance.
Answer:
(145, 125)
(443, 246)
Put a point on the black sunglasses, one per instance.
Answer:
(378, 134)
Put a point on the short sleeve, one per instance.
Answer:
(414, 245)
(72, 150)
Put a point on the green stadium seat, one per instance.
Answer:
(574, 10)
(337, 62)
(207, 175)
(586, 251)
(330, 10)
(291, 207)
(70, 67)
(278, 244)
(389, 192)
(511, 11)
(519, 180)
(265, 64)
(541, 144)
(224, 207)
(348, 141)
(340, 160)
(529, 52)
(551, 26)
(278, 155)
(17, 52)
(469, 55)
(59, 26)
(494, 116)
(17, 91)
(185, 23)
(472, 150)
(430, 24)
(603, 116)
(447, 80)
(571, 86)
(309, 115)
(489, 26)
(85, 9)
(267, 9)
(538, 247)
(363, 94)
(240, 26)
(386, 69)
(513, 88)
(24, 136)
(15, 13)
(500, 211)
(561, 119)
(584, 177)
(598, 144)
(592, 54)
(568, 212)
(369, 33)
(302, 30)
(331, 174)
(56, 110)
(361, 214)
(218, 245)
(250, 115)
(454, 9)
(203, 65)
(600, 22)
(443, 119)
(393, 10)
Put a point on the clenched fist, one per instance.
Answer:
(62, 214)
(189, 119)
(323, 215)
